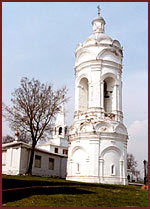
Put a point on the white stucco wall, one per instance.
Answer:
(59, 164)
(12, 161)
(17, 158)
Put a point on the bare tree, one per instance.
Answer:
(132, 164)
(34, 108)
(137, 174)
(7, 139)
(22, 137)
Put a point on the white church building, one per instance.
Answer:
(96, 143)
(50, 158)
(98, 138)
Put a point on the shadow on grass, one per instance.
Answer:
(14, 195)
(18, 183)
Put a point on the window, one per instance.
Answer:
(65, 130)
(37, 161)
(55, 131)
(65, 151)
(78, 167)
(83, 94)
(56, 150)
(4, 157)
(51, 163)
(60, 131)
(112, 170)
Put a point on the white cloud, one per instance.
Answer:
(138, 141)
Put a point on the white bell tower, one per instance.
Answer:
(98, 137)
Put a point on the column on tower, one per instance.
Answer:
(115, 99)
(96, 92)
(76, 96)
(102, 94)
(120, 98)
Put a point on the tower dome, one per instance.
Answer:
(96, 44)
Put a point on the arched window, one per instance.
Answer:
(60, 130)
(78, 167)
(65, 130)
(83, 94)
(108, 94)
(112, 170)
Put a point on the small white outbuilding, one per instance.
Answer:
(50, 157)
(16, 155)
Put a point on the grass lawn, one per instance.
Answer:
(47, 192)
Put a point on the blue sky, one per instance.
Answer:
(39, 41)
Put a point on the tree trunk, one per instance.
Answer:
(29, 171)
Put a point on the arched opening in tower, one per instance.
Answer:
(60, 130)
(66, 130)
(83, 94)
(108, 94)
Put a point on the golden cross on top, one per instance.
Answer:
(98, 7)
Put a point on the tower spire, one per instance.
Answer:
(98, 7)
(98, 23)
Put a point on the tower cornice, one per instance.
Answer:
(98, 63)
